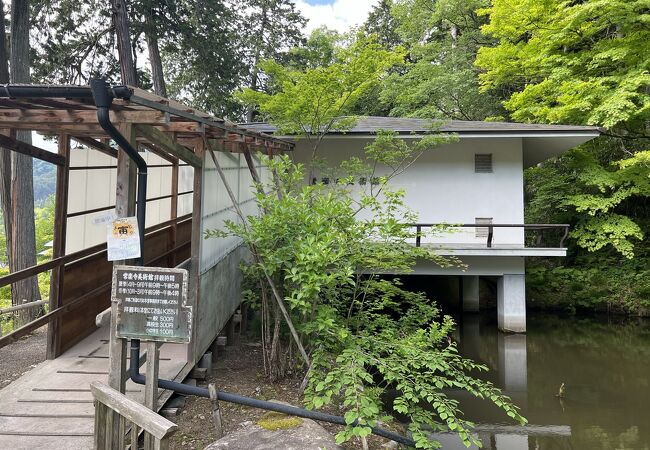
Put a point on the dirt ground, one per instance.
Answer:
(21, 356)
(239, 370)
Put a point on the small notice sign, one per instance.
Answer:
(152, 303)
(104, 218)
(123, 240)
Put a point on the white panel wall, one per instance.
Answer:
(442, 186)
(218, 207)
(95, 188)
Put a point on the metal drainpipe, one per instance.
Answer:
(136, 377)
(103, 102)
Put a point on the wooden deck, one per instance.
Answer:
(50, 407)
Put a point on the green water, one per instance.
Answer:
(603, 362)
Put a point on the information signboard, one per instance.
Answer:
(152, 303)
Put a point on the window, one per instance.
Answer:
(483, 163)
(482, 232)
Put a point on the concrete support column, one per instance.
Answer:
(511, 303)
(470, 293)
(513, 367)
(470, 337)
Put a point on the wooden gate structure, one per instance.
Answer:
(95, 177)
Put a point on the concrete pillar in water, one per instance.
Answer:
(513, 367)
(470, 337)
(470, 293)
(511, 303)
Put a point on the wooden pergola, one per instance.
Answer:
(180, 135)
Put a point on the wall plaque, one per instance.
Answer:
(152, 303)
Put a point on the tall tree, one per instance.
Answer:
(273, 27)
(571, 62)
(75, 42)
(5, 154)
(382, 22)
(202, 56)
(151, 35)
(23, 237)
(124, 49)
(439, 79)
(582, 63)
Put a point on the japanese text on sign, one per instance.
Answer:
(152, 303)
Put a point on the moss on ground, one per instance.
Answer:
(276, 421)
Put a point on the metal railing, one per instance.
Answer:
(490, 229)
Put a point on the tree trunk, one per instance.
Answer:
(5, 154)
(151, 35)
(23, 247)
(121, 24)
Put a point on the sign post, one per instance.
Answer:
(152, 306)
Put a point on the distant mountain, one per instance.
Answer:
(44, 181)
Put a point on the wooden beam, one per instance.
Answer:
(164, 155)
(162, 140)
(183, 127)
(196, 240)
(30, 150)
(72, 116)
(251, 164)
(173, 213)
(58, 246)
(97, 145)
(133, 411)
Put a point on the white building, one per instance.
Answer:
(476, 180)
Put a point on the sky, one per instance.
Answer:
(339, 15)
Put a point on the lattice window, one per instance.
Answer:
(483, 163)
(482, 232)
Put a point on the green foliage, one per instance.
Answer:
(314, 100)
(597, 282)
(366, 335)
(583, 63)
(382, 23)
(570, 62)
(439, 79)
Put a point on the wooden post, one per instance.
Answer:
(173, 214)
(196, 243)
(151, 387)
(216, 411)
(124, 207)
(100, 425)
(58, 246)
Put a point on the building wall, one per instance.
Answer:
(443, 187)
(94, 188)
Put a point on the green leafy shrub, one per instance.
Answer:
(367, 336)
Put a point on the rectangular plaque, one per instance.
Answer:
(152, 303)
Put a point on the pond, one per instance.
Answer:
(604, 364)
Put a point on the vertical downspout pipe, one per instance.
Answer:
(103, 98)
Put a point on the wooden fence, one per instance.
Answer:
(111, 405)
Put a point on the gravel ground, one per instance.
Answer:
(21, 356)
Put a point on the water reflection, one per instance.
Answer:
(603, 363)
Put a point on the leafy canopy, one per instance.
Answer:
(439, 79)
(314, 100)
(570, 62)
